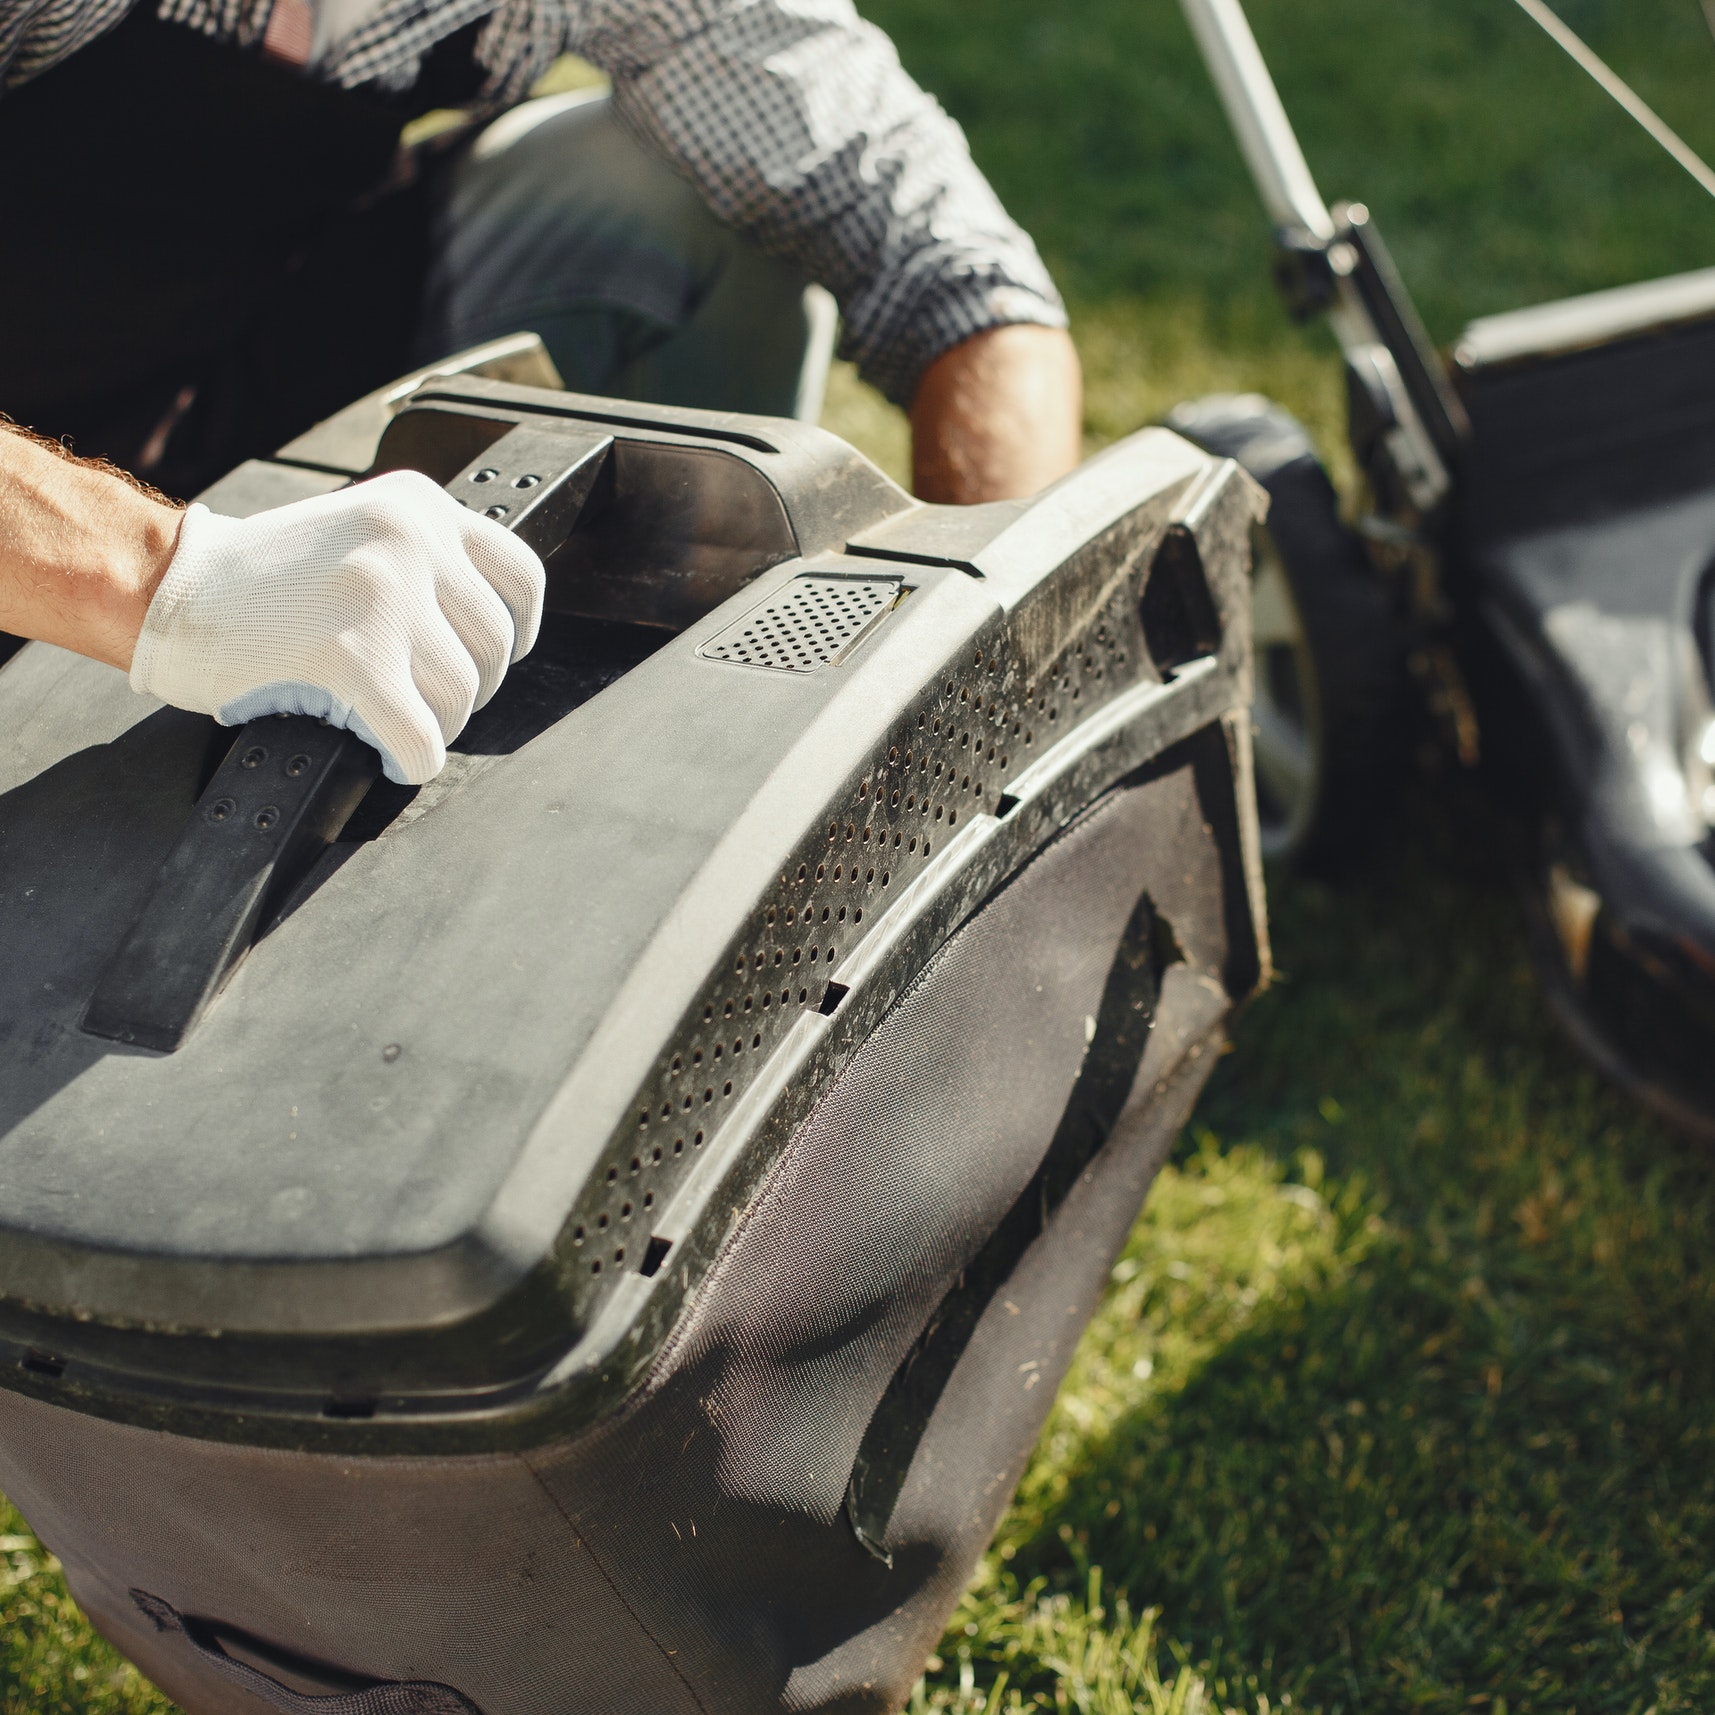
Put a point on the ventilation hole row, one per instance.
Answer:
(937, 730)
(863, 871)
(601, 1228)
(857, 868)
(793, 914)
(764, 961)
(603, 1222)
(933, 766)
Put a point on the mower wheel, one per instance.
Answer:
(1329, 713)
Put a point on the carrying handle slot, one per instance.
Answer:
(377, 1697)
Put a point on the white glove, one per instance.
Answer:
(386, 608)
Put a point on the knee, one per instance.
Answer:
(558, 220)
(564, 169)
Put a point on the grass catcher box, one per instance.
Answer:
(601, 1232)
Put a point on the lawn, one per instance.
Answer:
(1404, 1394)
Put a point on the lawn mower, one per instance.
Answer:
(601, 1232)
(1532, 571)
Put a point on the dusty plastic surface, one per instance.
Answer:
(472, 1117)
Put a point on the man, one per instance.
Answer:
(214, 237)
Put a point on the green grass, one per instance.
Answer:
(1498, 172)
(1402, 1397)
(1404, 1394)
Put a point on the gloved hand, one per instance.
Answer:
(386, 608)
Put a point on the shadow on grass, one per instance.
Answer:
(1405, 1395)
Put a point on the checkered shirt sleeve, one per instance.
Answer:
(793, 118)
(35, 34)
(796, 121)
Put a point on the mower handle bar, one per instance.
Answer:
(1258, 120)
(1368, 307)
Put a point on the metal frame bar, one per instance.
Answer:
(1369, 309)
(1265, 134)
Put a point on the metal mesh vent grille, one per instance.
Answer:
(805, 624)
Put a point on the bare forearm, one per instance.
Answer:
(997, 417)
(81, 551)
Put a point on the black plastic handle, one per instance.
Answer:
(289, 784)
(536, 481)
(284, 791)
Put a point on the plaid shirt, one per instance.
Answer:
(794, 119)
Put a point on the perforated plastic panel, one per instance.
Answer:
(944, 760)
(805, 624)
